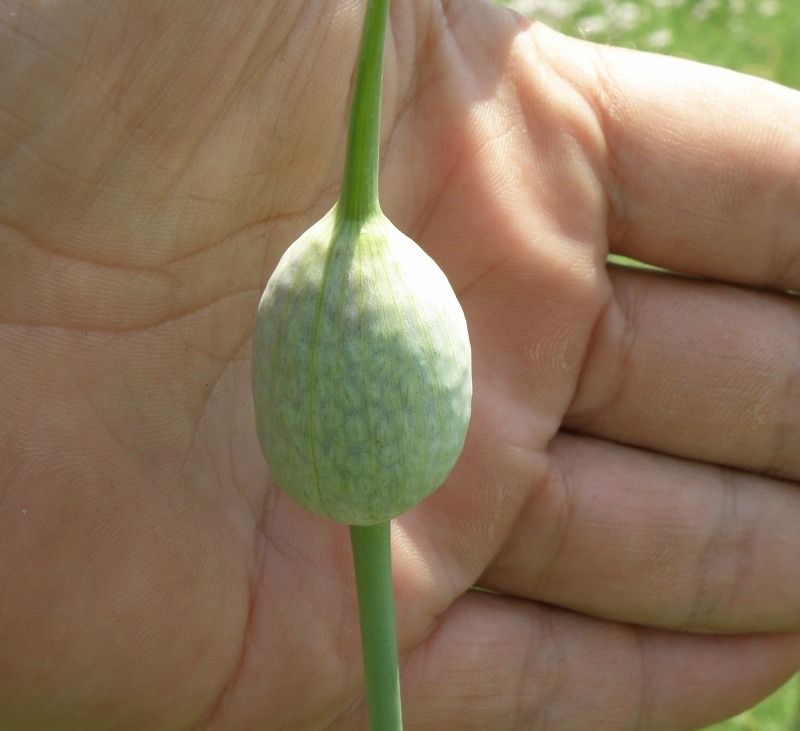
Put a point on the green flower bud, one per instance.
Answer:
(362, 375)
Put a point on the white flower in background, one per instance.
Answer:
(769, 8)
(548, 10)
(593, 25)
(704, 8)
(624, 17)
(664, 4)
(660, 39)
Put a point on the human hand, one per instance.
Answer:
(628, 488)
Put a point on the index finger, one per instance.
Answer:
(703, 163)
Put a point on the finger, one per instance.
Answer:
(695, 369)
(498, 663)
(703, 162)
(633, 536)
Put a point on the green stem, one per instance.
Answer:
(373, 564)
(359, 196)
(372, 544)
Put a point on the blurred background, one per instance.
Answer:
(759, 37)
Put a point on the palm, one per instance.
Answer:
(164, 571)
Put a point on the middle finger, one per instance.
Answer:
(696, 369)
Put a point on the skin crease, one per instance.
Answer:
(628, 490)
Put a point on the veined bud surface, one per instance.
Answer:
(361, 373)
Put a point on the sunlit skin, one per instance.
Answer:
(628, 488)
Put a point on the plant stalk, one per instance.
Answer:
(371, 544)
(359, 196)
(373, 565)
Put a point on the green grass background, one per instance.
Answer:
(760, 37)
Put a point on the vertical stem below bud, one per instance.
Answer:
(373, 565)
